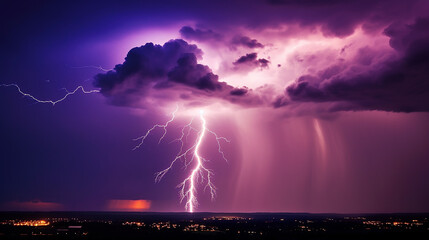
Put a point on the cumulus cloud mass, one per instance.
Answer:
(164, 73)
(371, 55)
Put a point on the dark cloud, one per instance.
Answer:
(246, 42)
(238, 91)
(400, 85)
(263, 63)
(280, 101)
(146, 64)
(199, 35)
(190, 73)
(402, 36)
(250, 60)
(340, 18)
(168, 73)
(335, 18)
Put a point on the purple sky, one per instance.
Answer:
(325, 103)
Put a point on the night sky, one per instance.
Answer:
(325, 104)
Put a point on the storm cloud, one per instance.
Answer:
(251, 60)
(169, 73)
(200, 35)
(246, 42)
(190, 73)
(399, 85)
(366, 79)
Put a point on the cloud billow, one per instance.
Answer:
(190, 73)
(251, 60)
(399, 85)
(190, 33)
(145, 64)
(169, 73)
(246, 42)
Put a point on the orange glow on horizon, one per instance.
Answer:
(34, 206)
(128, 205)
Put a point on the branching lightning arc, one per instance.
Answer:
(53, 102)
(189, 155)
(95, 67)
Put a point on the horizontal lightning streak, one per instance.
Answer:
(95, 67)
(50, 101)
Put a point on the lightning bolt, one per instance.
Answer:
(190, 155)
(191, 180)
(96, 67)
(53, 102)
(163, 126)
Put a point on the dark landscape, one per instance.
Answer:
(119, 225)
